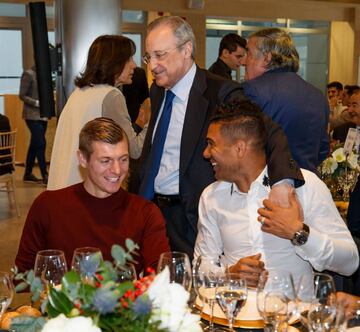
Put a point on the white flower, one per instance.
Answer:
(170, 305)
(339, 155)
(353, 160)
(63, 324)
(329, 166)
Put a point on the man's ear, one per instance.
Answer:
(241, 147)
(82, 159)
(188, 49)
(267, 58)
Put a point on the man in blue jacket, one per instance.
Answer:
(298, 107)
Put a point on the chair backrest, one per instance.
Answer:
(7, 151)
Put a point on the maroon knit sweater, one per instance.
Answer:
(70, 218)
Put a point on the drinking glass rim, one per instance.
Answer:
(50, 253)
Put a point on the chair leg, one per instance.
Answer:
(14, 195)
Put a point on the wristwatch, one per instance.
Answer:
(301, 236)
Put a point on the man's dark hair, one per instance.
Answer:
(99, 130)
(351, 89)
(241, 119)
(231, 42)
(337, 85)
(106, 59)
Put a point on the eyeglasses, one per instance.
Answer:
(160, 55)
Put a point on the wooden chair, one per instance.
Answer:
(7, 165)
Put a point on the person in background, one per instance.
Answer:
(300, 109)
(338, 112)
(108, 65)
(232, 55)
(174, 171)
(37, 125)
(348, 91)
(4, 127)
(96, 212)
(307, 234)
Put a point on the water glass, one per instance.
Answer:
(179, 267)
(6, 292)
(50, 266)
(86, 261)
(275, 298)
(231, 295)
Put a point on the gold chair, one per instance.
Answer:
(7, 165)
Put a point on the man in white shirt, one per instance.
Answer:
(291, 238)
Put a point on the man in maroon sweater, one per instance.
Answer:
(97, 212)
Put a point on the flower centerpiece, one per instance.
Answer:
(103, 303)
(339, 171)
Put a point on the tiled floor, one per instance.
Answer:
(10, 225)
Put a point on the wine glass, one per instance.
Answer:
(86, 261)
(126, 272)
(316, 300)
(6, 292)
(231, 295)
(50, 266)
(179, 267)
(275, 298)
(210, 270)
(198, 282)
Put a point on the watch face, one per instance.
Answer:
(301, 238)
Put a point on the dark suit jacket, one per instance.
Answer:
(340, 132)
(196, 172)
(299, 108)
(220, 68)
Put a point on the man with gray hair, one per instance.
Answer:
(298, 107)
(183, 97)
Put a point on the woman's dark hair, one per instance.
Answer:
(107, 57)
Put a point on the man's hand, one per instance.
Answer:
(280, 221)
(350, 303)
(249, 268)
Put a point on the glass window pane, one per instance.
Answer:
(12, 9)
(308, 24)
(136, 38)
(50, 11)
(10, 53)
(133, 16)
(51, 36)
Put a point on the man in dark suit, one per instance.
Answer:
(183, 172)
(298, 107)
(232, 55)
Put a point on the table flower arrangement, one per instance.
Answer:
(151, 304)
(339, 171)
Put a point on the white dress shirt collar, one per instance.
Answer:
(182, 88)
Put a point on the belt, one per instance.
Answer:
(166, 200)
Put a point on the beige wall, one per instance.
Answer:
(341, 64)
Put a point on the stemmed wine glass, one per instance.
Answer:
(85, 261)
(316, 301)
(210, 270)
(6, 292)
(179, 267)
(231, 295)
(50, 266)
(275, 298)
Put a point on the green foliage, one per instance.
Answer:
(27, 324)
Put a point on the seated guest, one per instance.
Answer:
(285, 238)
(4, 127)
(96, 212)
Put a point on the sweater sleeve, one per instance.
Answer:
(155, 241)
(114, 107)
(33, 238)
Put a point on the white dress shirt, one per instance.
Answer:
(228, 224)
(167, 180)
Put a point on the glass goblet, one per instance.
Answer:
(275, 289)
(231, 295)
(6, 292)
(50, 267)
(315, 290)
(179, 267)
(126, 273)
(85, 261)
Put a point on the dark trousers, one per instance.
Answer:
(37, 146)
(181, 236)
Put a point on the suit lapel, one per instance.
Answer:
(195, 118)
